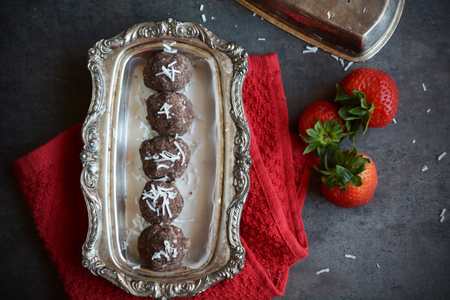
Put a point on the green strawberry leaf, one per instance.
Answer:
(342, 167)
(322, 136)
(354, 110)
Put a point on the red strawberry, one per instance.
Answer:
(375, 87)
(351, 180)
(319, 110)
(320, 126)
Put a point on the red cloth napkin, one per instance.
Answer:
(272, 230)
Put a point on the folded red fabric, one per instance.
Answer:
(272, 230)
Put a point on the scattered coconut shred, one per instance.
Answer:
(442, 215)
(203, 18)
(310, 49)
(394, 120)
(424, 87)
(261, 39)
(347, 67)
(327, 270)
(201, 7)
(424, 168)
(441, 156)
(378, 266)
(350, 256)
(428, 110)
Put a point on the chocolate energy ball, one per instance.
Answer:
(169, 113)
(162, 247)
(160, 202)
(167, 72)
(164, 156)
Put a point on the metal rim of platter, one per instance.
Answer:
(355, 30)
(91, 176)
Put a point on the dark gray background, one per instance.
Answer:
(45, 87)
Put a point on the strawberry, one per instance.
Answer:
(320, 126)
(349, 179)
(368, 98)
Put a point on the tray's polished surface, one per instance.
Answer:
(215, 184)
(353, 29)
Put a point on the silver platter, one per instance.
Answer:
(112, 178)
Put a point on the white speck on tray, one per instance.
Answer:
(327, 270)
(261, 39)
(442, 215)
(254, 14)
(342, 62)
(203, 18)
(413, 141)
(441, 156)
(213, 18)
(201, 7)
(394, 120)
(428, 110)
(348, 66)
(350, 256)
(424, 168)
(364, 10)
(378, 266)
(235, 26)
(136, 267)
(310, 49)
(329, 14)
(424, 87)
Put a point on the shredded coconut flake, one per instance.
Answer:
(441, 156)
(424, 168)
(378, 266)
(213, 18)
(327, 270)
(342, 62)
(254, 14)
(136, 267)
(168, 47)
(424, 87)
(180, 150)
(428, 110)
(201, 7)
(347, 67)
(335, 57)
(364, 10)
(203, 18)
(329, 14)
(165, 110)
(261, 39)
(394, 120)
(350, 256)
(310, 49)
(442, 215)
(413, 141)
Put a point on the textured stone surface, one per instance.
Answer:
(45, 87)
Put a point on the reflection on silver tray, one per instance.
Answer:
(110, 153)
(353, 29)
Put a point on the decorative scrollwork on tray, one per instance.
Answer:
(90, 158)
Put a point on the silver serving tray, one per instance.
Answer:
(215, 185)
(353, 29)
